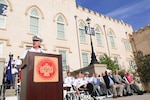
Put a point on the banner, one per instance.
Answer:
(90, 32)
(3, 9)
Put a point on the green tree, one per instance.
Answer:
(142, 66)
(112, 65)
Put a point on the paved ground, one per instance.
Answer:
(145, 96)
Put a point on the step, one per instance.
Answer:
(11, 98)
(10, 92)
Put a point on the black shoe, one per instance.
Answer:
(140, 93)
(125, 95)
(129, 94)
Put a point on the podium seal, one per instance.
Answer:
(45, 69)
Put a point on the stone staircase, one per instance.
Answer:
(10, 92)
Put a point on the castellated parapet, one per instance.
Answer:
(140, 30)
(140, 39)
(102, 16)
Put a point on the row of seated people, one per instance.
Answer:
(100, 85)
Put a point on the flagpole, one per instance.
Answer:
(93, 57)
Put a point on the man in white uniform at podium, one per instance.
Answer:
(37, 40)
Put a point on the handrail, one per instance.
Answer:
(4, 87)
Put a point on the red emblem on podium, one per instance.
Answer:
(46, 68)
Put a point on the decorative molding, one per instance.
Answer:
(29, 43)
(55, 47)
(100, 29)
(61, 39)
(7, 41)
(115, 55)
(81, 20)
(60, 14)
(23, 43)
(34, 6)
(4, 29)
(86, 51)
(10, 5)
(110, 29)
(99, 53)
(2, 60)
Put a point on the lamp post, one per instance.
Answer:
(93, 57)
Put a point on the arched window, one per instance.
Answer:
(34, 21)
(64, 58)
(3, 6)
(85, 59)
(60, 27)
(112, 39)
(1, 49)
(82, 32)
(98, 36)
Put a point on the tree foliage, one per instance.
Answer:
(143, 66)
(112, 65)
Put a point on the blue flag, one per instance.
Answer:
(92, 31)
(3, 9)
(9, 75)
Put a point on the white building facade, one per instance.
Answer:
(61, 24)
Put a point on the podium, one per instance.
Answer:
(41, 77)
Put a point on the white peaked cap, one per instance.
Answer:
(37, 38)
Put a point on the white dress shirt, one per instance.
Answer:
(33, 50)
(79, 82)
(18, 62)
(14, 71)
(68, 81)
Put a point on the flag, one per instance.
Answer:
(8, 73)
(3, 9)
(87, 31)
(92, 31)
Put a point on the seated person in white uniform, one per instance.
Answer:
(68, 81)
(80, 84)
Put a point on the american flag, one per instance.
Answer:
(3, 9)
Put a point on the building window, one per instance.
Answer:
(1, 49)
(127, 45)
(117, 62)
(34, 21)
(82, 32)
(112, 39)
(85, 59)
(2, 17)
(131, 65)
(60, 27)
(64, 59)
(28, 47)
(100, 57)
(98, 36)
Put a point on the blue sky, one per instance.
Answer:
(133, 12)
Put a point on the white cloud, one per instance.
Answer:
(130, 9)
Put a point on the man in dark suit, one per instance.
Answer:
(110, 83)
